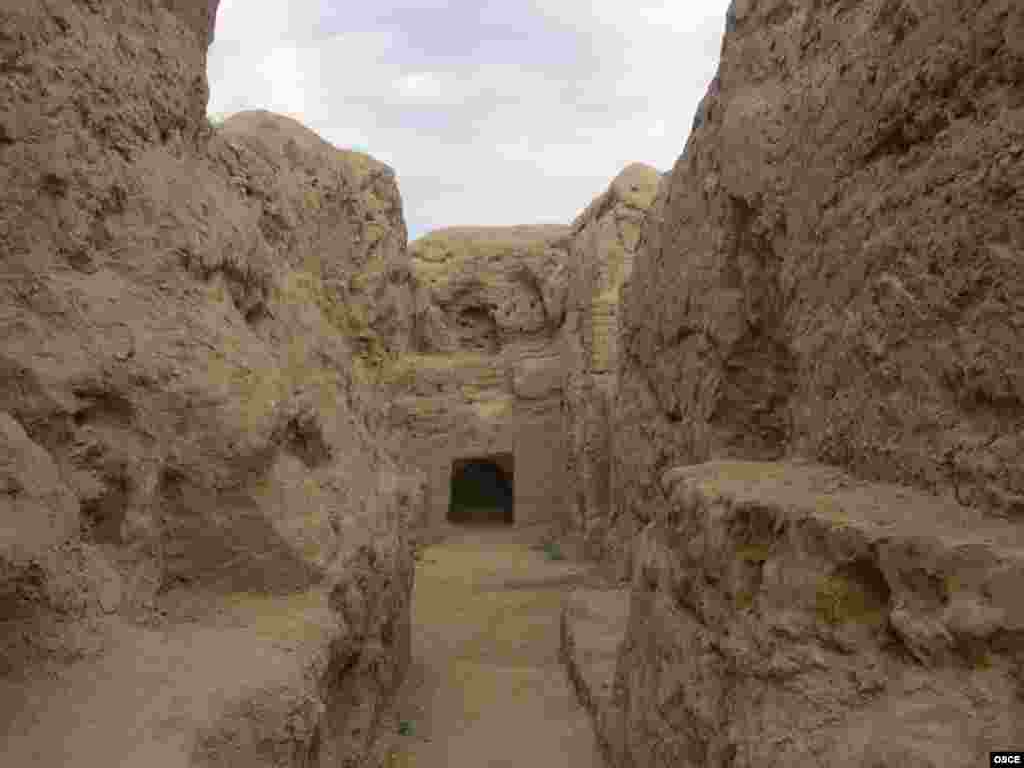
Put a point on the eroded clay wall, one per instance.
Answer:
(833, 269)
(537, 448)
(831, 275)
(178, 370)
(540, 474)
(488, 372)
(603, 244)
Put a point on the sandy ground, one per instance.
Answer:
(486, 688)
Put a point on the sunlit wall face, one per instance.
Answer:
(500, 113)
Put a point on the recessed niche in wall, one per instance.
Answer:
(483, 490)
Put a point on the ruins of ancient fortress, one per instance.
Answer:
(770, 403)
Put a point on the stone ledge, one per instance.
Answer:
(786, 613)
(245, 683)
(829, 493)
(945, 578)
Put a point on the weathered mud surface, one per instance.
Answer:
(184, 420)
(603, 244)
(832, 272)
(800, 434)
(833, 268)
(486, 372)
(790, 614)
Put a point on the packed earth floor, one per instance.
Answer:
(486, 687)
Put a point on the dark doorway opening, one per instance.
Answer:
(482, 490)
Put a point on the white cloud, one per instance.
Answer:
(420, 87)
(486, 139)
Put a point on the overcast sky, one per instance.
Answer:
(508, 112)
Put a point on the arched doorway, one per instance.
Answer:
(482, 491)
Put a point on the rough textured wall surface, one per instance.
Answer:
(352, 206)
(487, 372)
(603, 244)
(832, 271)
(786, 613)
(184, 315)
(834, 266)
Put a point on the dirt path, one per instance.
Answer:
(486, 688)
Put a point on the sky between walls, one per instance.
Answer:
(508, 112)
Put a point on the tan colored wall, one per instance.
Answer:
(538, 450)
(540, 472)
(604, 240)
(488, 371)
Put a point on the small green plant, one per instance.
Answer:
(406, 728)
(552, 551)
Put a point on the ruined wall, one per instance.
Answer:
(787, 613)
(833, 271)
(181, 401)
(487, 372)
(833, 268)
(603, 243)
(516, 338)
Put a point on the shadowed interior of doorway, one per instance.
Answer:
(482, 490)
